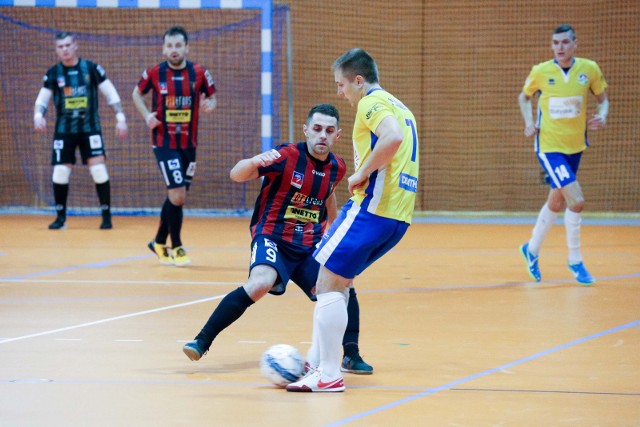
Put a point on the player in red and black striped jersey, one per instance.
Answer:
(74, 83)
(180, 89)
(295, 205)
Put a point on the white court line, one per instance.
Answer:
(111, 319)
(123, 282)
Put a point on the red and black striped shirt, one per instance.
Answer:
(291, 206)
(176, 100)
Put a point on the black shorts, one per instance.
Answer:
(290, 261)
(64, 147)
(177, 166)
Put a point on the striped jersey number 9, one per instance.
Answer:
(415, 138)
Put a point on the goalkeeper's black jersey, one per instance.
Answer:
(75, 95)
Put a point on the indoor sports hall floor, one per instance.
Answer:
(92, 329)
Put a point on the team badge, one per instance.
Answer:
(583, 79)
(163, 88)
(61, 82)
(296, 179)
(552, 81)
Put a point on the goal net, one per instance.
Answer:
(125, 42)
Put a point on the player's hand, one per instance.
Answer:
(151, 120)
(356, 181)
(596, 122)
(122, 130)
(530, 130)
(267, 158)
(207, 104)
(40, 123)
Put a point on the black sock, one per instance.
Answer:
(163, 228)
(228, 311)
(174, 220)
(104, 196)
(352, 334)
(60, 194)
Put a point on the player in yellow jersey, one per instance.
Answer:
(384, 187)
(563, 85)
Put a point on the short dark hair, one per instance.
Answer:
(176, 30)
(357, 62)
(64, 34)
(565, 28)
(326, 109)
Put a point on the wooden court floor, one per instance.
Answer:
(92, 328)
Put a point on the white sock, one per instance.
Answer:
(331, 318)
(572, 221)
(545, 220)
(313, 354)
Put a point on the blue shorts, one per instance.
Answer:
(177, 166)
(290, 261)
(356, 239)
(560, 168)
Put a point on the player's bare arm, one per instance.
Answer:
(599, 119)
(42, 103)
(208, 104)
(390, 137)
(247, 169)
(527, 114)
(149, 118)
(113, 99)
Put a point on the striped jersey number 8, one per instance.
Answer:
(415, 139)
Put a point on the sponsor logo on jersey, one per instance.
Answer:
(408, 183)
(296, 179)
(372, 110)
(303, 199)
(552, 82)
(177, 101)
(315, 172)
(178, 116)
(75, 103)
(209, 78)
(303, 215)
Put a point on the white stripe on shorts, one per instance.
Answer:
(164, 173)
(323, 255)
(549, 170)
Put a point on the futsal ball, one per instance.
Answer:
(282, 364)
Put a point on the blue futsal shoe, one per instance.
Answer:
(193, 350)
(581, 274)
(354, 364)
(532, 262)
